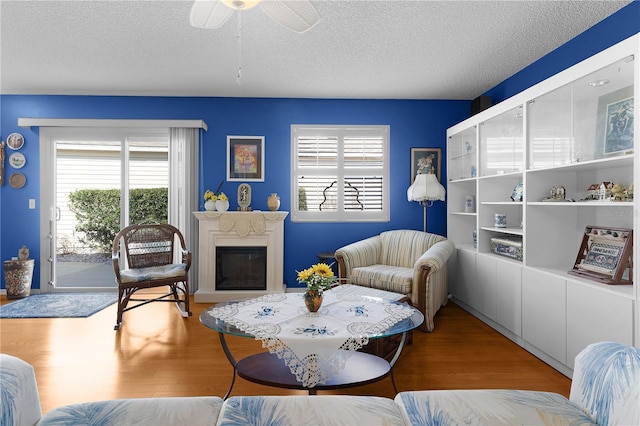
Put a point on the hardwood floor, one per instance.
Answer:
(158, 353)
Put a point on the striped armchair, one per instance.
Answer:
(412, 263)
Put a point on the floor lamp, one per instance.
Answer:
(424, 189)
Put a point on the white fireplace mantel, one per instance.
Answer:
(242, 229)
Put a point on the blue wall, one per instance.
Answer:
(413, 124)
(617, 27)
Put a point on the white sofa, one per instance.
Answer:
(605, 391)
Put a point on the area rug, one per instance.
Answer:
(58, 305)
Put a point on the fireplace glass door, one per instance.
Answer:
(241, 268)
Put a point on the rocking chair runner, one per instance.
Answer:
(147, 256)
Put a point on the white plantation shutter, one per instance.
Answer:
(340, 173)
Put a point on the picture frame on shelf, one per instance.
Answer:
(426, 160)
(604, 255)
(245, 158)
(614, 124)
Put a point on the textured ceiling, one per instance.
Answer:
(359, 49)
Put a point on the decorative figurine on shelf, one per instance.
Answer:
(630, 192)
(605, 191)
(23, 253)
(593, 192)
(557, 194)
(244, 197)
(619, 192)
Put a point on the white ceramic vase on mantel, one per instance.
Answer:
(210, 205)
(222, 205)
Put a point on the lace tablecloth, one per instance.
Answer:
(313, 345)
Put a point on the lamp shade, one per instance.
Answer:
(426, 187)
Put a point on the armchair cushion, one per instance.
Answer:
(153, 273)
(389, 278)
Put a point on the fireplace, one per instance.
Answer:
(241, 268)
(240, 254)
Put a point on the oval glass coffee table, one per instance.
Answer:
(268, 369)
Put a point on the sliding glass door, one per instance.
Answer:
(98, 180)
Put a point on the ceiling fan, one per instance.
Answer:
(297, 15)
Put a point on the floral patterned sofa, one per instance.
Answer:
(605, 391)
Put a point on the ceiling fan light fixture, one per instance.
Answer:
(241, 4)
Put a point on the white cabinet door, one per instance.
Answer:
(463, 268)
(595, 315)
(485, 289)
(509, 296)
(544, 312)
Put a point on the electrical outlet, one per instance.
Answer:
(32, 203)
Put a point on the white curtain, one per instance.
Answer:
(184, 153)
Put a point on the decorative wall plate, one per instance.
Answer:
(15, 141)
(17, 160)
(17, 180)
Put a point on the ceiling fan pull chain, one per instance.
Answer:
(239, 48)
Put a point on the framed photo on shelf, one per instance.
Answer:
(425, 160)
(604, 255)
(245, 158)
(614, 124)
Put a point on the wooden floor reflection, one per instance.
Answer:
(158, 353)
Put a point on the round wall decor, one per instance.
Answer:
(17, 180)
(17, 160)
(15, 141)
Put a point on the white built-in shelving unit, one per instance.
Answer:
(553, 134)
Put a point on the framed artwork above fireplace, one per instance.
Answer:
(245, 158)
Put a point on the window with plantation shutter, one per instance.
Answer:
(340, 173)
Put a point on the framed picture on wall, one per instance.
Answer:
(245, 158)
(425, 160)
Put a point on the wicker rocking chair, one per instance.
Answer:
(148, 256)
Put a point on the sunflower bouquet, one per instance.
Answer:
(318, 277)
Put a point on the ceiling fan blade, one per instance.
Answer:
(297, 15)
(209, 14)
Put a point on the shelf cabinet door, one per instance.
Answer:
(485, 288)
(462, 154)
(509, 296)
(502, 143)
(462, 275)
(544, 304)
(594, 315)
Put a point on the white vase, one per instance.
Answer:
(210, 205)
(222, 206)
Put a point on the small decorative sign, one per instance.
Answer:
(604, 255)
